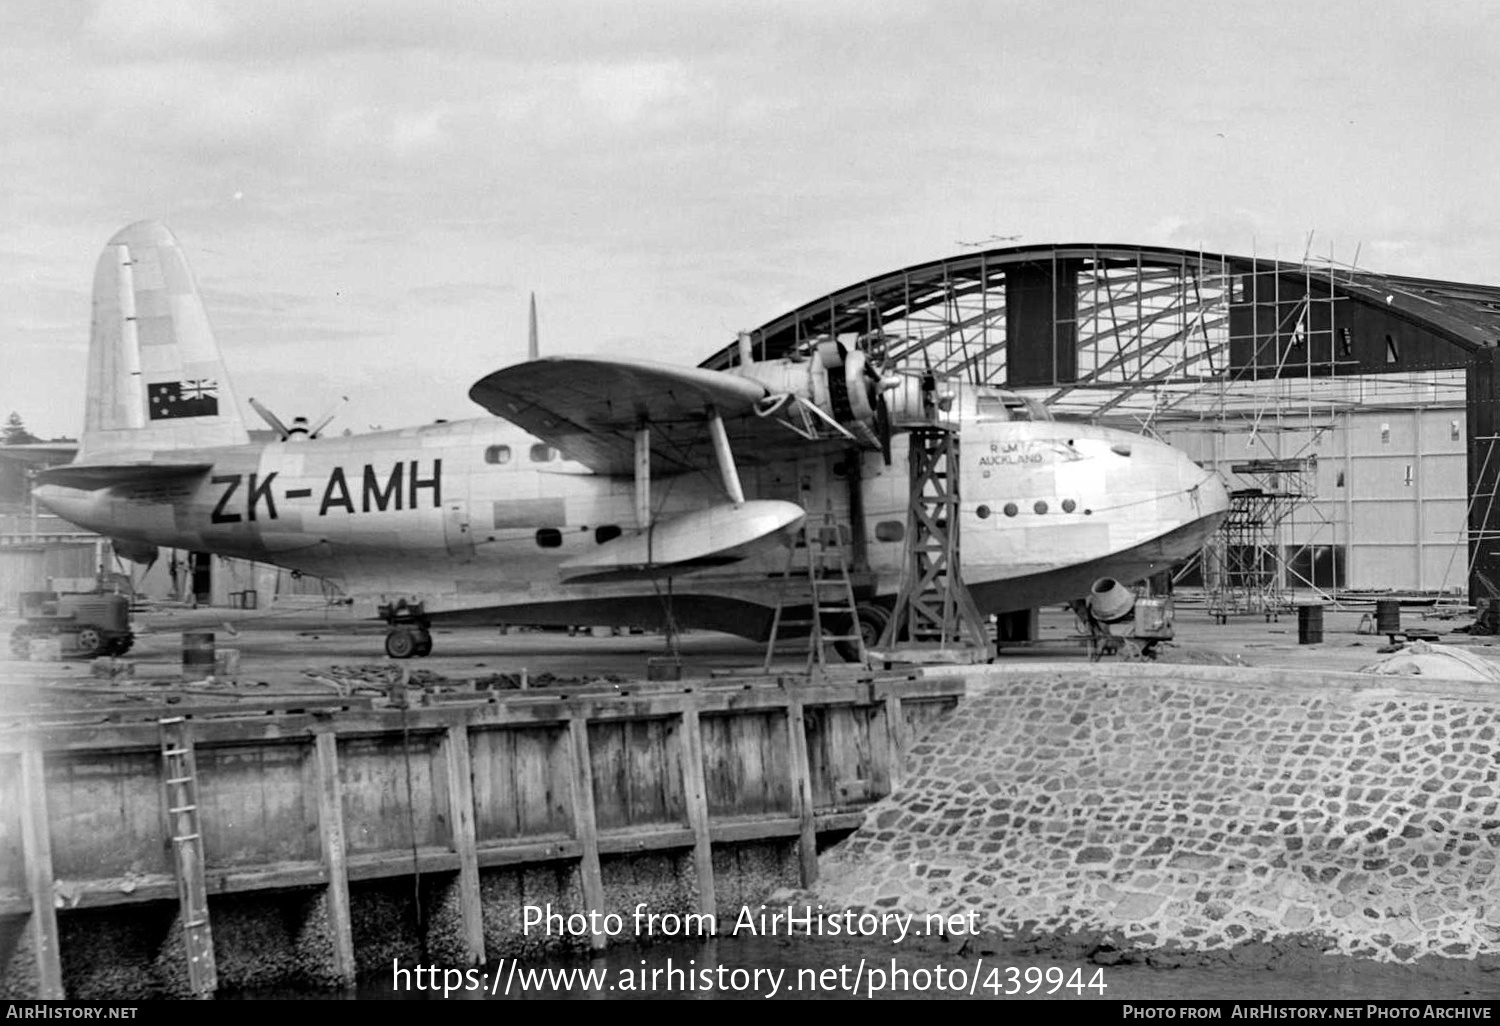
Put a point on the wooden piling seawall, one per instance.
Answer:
(336, 839)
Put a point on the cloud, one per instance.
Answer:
(459, 292)
(628, 93)
(144, 28)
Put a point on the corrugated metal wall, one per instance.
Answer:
(32, 567)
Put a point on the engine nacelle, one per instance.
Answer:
(838, 383)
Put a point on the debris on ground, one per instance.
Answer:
(1441, 662)
(378, 679)
(1192, 655)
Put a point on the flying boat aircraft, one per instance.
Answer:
(602, 490)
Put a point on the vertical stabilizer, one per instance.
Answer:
(156, 380)
(533, 348)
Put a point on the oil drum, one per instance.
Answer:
(1310, 624)
(1387, 616)
(198, 651)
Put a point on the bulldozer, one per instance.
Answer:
(86, 624)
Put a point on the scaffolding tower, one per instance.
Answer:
(1246, 572)
(935, 619)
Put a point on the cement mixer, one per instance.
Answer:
(1111, 605)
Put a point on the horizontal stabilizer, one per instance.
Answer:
(714, 536)
(93, 476)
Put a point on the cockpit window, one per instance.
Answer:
(990, 407)
(1038, 410)
(1024, 407)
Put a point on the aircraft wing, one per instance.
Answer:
(589, 408)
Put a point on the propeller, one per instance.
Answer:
(868, 380)
(299, 425)
(327, 417)
(271, 419)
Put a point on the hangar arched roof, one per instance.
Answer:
(1119, 318)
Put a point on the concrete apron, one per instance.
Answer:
(1198, 807)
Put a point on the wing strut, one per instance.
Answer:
(643, 477)
(727, 469)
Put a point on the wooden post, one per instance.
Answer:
(36, 841)
(585, 826)
(331, 832)
(461, 805)
(807, 845)
(697, 809)
(896, 733)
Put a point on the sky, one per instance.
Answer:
(368, 191)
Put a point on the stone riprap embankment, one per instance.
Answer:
(1198, 807)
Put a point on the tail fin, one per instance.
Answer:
(156, 380)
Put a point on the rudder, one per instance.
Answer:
(156, 379)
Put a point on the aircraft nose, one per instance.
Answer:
(1213, 496)
(1203, 485)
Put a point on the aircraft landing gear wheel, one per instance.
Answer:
(91, 642)
(401, 643)
(424, 643)
(872, 621)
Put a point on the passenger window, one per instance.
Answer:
(549, 538)
(543, 453)
(890, 531)
(497, 454)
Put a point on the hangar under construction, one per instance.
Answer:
(1352, 413)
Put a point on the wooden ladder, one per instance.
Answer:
(180, 779)
(831, 595)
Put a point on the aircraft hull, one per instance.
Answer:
(1032, 591)
(746, 607)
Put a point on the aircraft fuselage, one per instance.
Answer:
(481, 522)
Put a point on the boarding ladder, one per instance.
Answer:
(180, 780)
(830, 595)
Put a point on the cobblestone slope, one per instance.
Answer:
(1199, 806)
